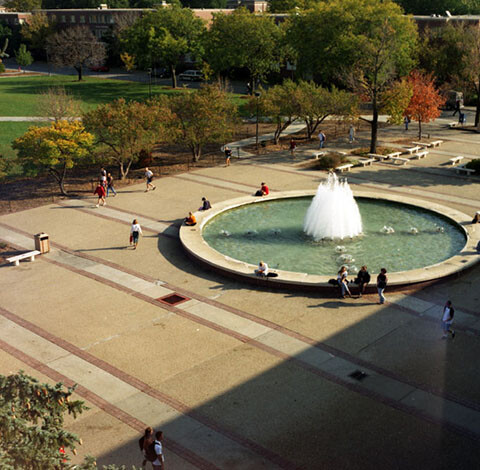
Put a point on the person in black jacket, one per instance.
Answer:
(362, 280)
(381, 284)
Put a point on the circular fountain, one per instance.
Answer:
(306, 240)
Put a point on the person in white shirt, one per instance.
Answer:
(447, 320)
(135, 231)
(262, 269)
(159, 464)
(149, 178)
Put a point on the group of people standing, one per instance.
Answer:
(362, 280)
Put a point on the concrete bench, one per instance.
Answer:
(317, 155)
(436, 143)
(403, 161)
(345, 167)
(464, 169)
(394, 154)
(452, 125)
(17, 258)
(377, 156)
(366, 161)
(413, 149)
(420, 155)
(456, 160)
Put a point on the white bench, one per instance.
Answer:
(403, 161)
(413, 149)
(317, 155)
(16, 259)
(366, 161)
(464, 169)
(394, 154)
(436, 143)
(420, 155)
(456, 160)
(377, 156)
(345, 167)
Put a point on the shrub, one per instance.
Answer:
(2, 68)
(332, 160)
(474, 165)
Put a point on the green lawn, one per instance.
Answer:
(9, 131)
(18, 95)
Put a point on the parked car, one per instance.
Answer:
(453, 98)
(191, 75)
(99, 68)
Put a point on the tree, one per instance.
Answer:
(75, 47)
(365, 44)
(56, 103)
(425, 101)
(23, 56)
(315, 104)
(36, 31)
(124, 130)
(396, 100)
(203, 116)
(23, 5)
(243, 39)
(55, 148)
(164, 36)
(31, 419)
(50, 4)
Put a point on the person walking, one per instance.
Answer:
(159, 463)
(293, 147)
(135, 231)
(363, 278)
(343, 282)
(228, 155)
(321, 138)
(100, 192)
(382, 284)
(149, 179)
(103, 177)
(110, 185)
(351, 134)
(447, 319)
(145, 443)
(406, 122)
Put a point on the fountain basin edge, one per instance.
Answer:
(198, 249)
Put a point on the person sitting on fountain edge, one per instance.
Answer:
(190, 220)
(263, 191)
(363, 278)
(262, 269)
(343, 282)
(205, 204)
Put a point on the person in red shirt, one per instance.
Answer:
(264, 189)
(100, 191)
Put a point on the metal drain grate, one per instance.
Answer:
(358, 375)
(173, 299)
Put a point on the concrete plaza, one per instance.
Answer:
(239, 377)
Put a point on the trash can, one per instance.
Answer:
(42, 243)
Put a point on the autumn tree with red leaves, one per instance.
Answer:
(426, 100)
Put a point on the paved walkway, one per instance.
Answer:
(239, 377)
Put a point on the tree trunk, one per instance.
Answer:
(374, 124)
(174, 77)
(127, 170)
(419, 129)
(477, 111)
(60, 177)
(79, 72)
(121, 170)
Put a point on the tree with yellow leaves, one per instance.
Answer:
(55, 149)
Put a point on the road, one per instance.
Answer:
(116, 73)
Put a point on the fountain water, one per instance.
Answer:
(333, 212)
